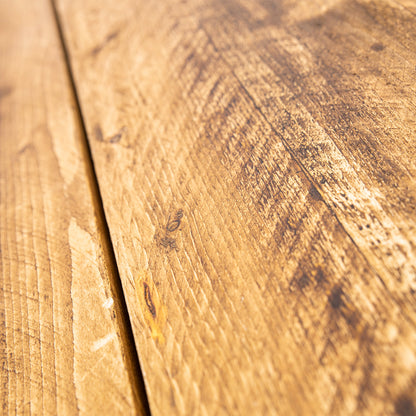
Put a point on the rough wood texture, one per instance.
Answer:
(256, 161)
(61, 340)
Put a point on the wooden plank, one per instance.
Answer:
(256, 161)
(61, 332)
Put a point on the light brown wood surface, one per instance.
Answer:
(62, 340)
(256, 161)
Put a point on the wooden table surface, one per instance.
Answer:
(208, 207)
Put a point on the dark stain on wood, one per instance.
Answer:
(168, 242)
(117, 137)
(98, 134)
(404, 406)
(5, 91)
(26, 148)
(335, 298)
(319, 276)
(343, 307)
(377, 47)
(300, 283)
(303, 281)
(308, 278)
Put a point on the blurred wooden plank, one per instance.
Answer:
(61, 336)
(256, 161)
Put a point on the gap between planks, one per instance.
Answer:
(130, 352)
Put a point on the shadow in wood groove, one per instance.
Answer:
(130, 351)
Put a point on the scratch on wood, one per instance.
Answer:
(100, 343)
(108, 39)
(108, 303)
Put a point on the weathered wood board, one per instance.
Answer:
(257, 165)
(62, 345)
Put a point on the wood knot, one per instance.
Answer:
(165, 238)
(174, 222)
(148, 299)
(153, 309)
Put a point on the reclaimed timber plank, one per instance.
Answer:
(256, 162)
(62, 338)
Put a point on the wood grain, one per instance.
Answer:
(61, 334)
(256, 161)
